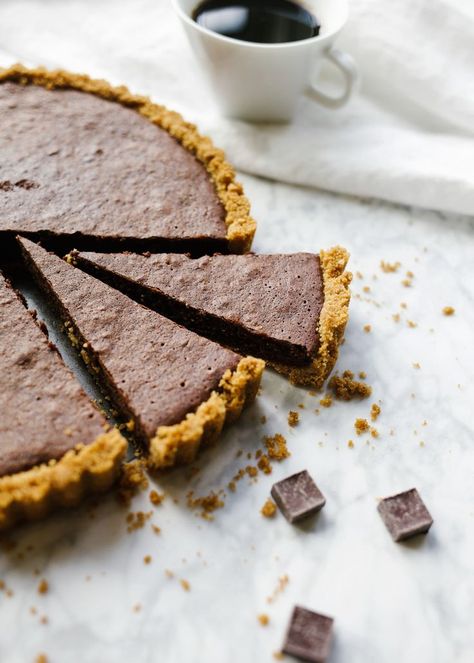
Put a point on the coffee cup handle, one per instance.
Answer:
(346, 64)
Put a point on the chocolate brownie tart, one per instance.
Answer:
(175, 388)
(53, 444)
(288, 309)
(87, 165)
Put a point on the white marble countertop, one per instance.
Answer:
(392, 603)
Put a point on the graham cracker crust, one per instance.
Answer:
(82, 471)
(180, 443)
(240, 225)
(331, 324)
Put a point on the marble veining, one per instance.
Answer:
(392, 603)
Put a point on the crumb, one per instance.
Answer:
(410, 275)
(396, 317)
(264, 464)
(136, 520)
(185, 585)
(43, 587)
(326, 401)
(345, 388)
(366, 288)
(263, 419)
(169, 574)
(389, 267)
(374, 432)
(359, 275)
(41, 658)
(137, 607)
(293, 418)
(207, 503)
(132, 480)
(252, 471)
(301, 406)
(232, 486)
(448, 310)
(403, 305)
(282, 583)
(278, 655)
(411, 324)
(362, 375)
(406, 283)
(268, 509)
(416, 364)
(276, 447)
(156, 498)
(367, 328)
(44, 620)
(350, 444)
(422, 444)
(263, 619)
(374, 411)
(258, 453)
(156, 529)
(147, 559)
(361, 426)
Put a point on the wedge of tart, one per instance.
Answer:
(54, 447)
(176, 389)
(290, 310)
(85, 164)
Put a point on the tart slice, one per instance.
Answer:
(288, 309)
(85, 164)
(53, 445)
(175, 388)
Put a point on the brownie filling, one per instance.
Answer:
(45, 413)
(152, 370)
(77, 170)
(266, 305)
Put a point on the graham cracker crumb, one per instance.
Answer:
(263, 419)
(396, 317)
(366, 288)
(361, 426)
(345, 388)
(367, 329)
(276, 447)
(137, 607)
(156, 529)
(264, 464)
(293, 418)
(252, 471)
(416, 365)
(449, 310)
(406, 283)
(326, 401)
(411, 324)
(278, 655)
(156, 498)
(147, 559)
(43, 587)
(136, 520)
(268, 510)
(362, 375)
(374, 432)
(232, 486)
(389, 267)
(185, 585)
(207, 503)
(169, 574)
(41, 658)
(132, 480)
(374, 411)
(282, 583)
(350, 444)
(263, 619)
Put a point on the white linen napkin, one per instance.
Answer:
(408, 137)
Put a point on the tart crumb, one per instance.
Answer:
(396, 317)
(345, 388)
(276, 447)
(411, 324)
(367, 329)
(362, 375)
(374, 432)
(389, 267)
(169, 574)
(137, 607)
(366, 289)
(268, 510)
(43, 587)
(206, 503)
(361, 426)
(278, 655)
(449, 310)
(264, 464)
(156, 498)
(41, 658)
(326, 401)
(293, 418)
(374, 412)
(282, 583)
(156, 529)
(185, 585)
(136, 520)
(263, 619)
(132, 480)
(416, 364)
(147, 559)
(350, 444)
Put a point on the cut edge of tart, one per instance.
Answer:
(240, 225)
(87, 469)
(180, 442)
(331, 324)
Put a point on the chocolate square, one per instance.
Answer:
(309, 635)
(297, 496)
(405, 515)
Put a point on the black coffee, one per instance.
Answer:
(262, 21)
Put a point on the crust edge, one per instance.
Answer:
(332, 321)
(240, 225)
(180, 443)
(86, 469)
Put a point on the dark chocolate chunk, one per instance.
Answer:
(405, 515)
(309, 635)
(297, 496)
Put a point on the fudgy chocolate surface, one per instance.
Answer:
(155, 369)
(75, 164)
(44, 412)
(275, 300)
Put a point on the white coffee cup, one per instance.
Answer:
(262, 82)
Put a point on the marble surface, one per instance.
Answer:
(392, 603)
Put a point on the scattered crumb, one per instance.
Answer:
(147, 559)
(44, 620)
(156, 529)
(293, 418)
(367, 328)
(136, 520)
(366, 289)
(345, 388)
(169, 574)
(403, 305)
(362, 375)
(156, 498)
(132, 480)
(263, 619)
(396, 317)
(282, 583)
(232, 486)
(411, 324)
(350, 444)
(263, 419)
(276, 447)
(416, 364)
(422, 444)
(41, 658)
(264, 464)
(389, 267)
(278, 655)
(185, 585)
(43, 587)
(374, 411)
(252, 471)
(268, 509)
(301, 406)
(361, 426)
(448, 310)
(374, 432)
(406, 283)
(359, 275)
(137, 607)
(326, 401)
(207, 503)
